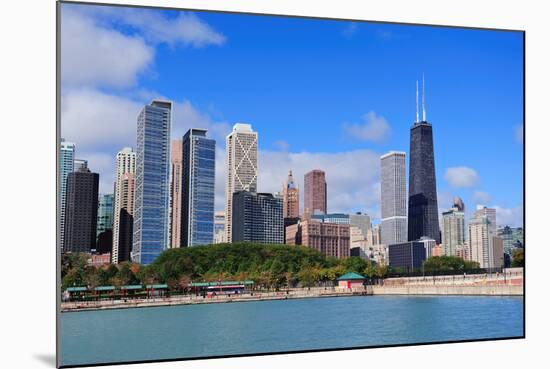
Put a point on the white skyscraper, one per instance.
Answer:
(66, 166)
(490, 213)
(453, 230)
(242, 167)
(393, 198)
(125, 164)
(481, 241)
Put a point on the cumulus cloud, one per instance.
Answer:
(96, 56)
(374, 128)
(512, 217)
(481, 197)
(187, 116)
(461, 177)
(94, 120)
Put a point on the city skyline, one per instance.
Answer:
(458, 171)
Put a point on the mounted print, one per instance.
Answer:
(238, 184)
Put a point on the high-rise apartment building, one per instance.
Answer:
(175, 193)
(315, 192)
(126, 187)
(152, 193)
(125, 169)
(81, 211)
(291, 198)
(331, 239)
(393, 198)
(257, 217)
(241, 147)
(423, 219)
(490, 213)
(197, 188)
(453, 230)
(66, 166)
(481, 241)
(361, 221)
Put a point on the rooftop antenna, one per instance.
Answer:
(423, 103)
(417, 119)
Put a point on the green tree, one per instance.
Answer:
(518, 258)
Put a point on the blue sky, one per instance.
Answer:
(324, 93)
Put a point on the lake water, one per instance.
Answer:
(275, 326)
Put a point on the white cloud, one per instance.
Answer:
(512, 217)
(104, 164)
(461, 177)
(374, 128)
(481, 197)
(519, 133)
(281, 145)
(187, 116)
(93, 119)
(96, 56)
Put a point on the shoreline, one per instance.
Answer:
(318, 292)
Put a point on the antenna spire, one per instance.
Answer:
(423, 101)
(417, 119)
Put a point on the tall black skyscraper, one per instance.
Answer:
(81, 211)
(423, 213)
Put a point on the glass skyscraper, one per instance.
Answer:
(66, 166)
(197, 200)
(105, 212)
(257, 217)
(423, 217)
(151, 207)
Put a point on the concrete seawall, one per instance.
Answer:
(473, 290)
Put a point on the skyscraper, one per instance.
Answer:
(453, 230)
(124, 189)
(393, 198)
(490, 213)
(152, 200)
(331, 239)
(315, 192)
(242, 167)
(105, 212)
(291, 198)
(257, 217)
(423, 213)
(481, 241)
(175, 193)
(66, 166)
(81, 211)
(197, 187)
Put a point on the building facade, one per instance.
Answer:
(429, 244)
(175, 192)
(105, 212)
(407, 256)
(315, 192)
(125, 218)
(257, 217)
(80, 163)
(125, 169)
(152, 192)
(81, 211)
(241, 147)
(219, 227)
(498, 252)
(393, 197)
(330, 239)
(490, 213)
(336, 218)
(197, 199)
(481, 241)
(511, 238)
(66, 166)
(423, 218)
(291, 198)
(453, 230)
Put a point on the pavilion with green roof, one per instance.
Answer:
(351, 280)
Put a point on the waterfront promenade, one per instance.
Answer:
(497, 284)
